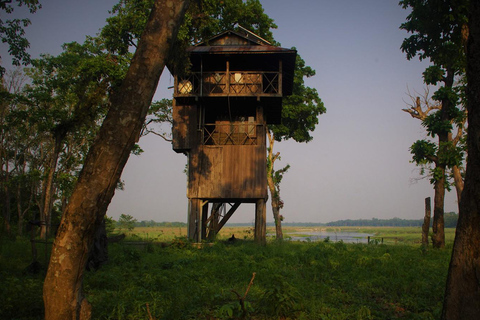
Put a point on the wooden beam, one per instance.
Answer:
(212, 221)
(203, 219)
(193, 215)
(228, 215)
(227, 80)
(261, 222)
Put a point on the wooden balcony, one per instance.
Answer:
(230, 133)
(238, 83)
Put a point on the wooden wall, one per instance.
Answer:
(184, 127)
(227, 172)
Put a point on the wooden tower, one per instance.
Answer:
(220, 112)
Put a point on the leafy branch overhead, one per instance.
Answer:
(12, 31)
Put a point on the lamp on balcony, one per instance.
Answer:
(238, 77)
(185, 87)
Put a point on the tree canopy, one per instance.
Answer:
(300, 110)
(439, 32)
(12, 31)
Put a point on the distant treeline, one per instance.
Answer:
(450, 222)
(151, 223)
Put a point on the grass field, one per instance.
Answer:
(390, 235)
(293, 280)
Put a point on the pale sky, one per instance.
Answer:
(358, 164)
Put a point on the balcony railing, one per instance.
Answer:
(232, 83)
(227, 133)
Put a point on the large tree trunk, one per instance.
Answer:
(438, 238)
(457, 177)
(62, 291)
(462, 295)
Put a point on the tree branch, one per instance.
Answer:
(416, 109)
(157, 134)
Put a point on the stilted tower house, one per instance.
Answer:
(220, 111)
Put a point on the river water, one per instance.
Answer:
(350, 237)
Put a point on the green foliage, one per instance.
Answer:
(438, 33)
(423, 151)
(109, 225)
(12, 31)
(446, 154)
(293, 281)
(433, 75)
(17, 291)
(448, 94)
(159, 114)
(300, 110)
(56, 116)
(449, 154)
(436, 125)
(126, 222)
(281, 299)
(203, 20)
(125, 26)
(209, 17)
(436, 28)
(450, 219)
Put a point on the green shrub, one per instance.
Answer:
(294, 280)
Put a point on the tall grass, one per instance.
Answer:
(293, 280)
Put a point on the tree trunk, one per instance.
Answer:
(457, 177)
(6, 204)
(275, 207)
(46, 214)
(98, 255)
(4, 162)
(462, 294)
(20, 212)
(6, 211)
(278, 221)
(274, 192)
(438, 239)
(62, 291)
(426, 222)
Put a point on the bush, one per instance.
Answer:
(293, 280)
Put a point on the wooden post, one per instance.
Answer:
(426, 222)
(214, 220)
(203, 219)
(194, 219)
(227, 78)
(261, 222)
(280, 77)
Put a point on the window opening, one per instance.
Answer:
(229, 126)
